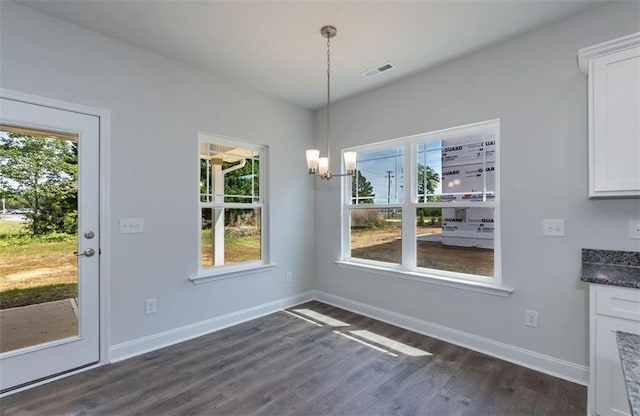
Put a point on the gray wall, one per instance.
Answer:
(157, 108)
(532, 84)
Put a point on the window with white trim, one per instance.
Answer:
(232, 204)
(427, 204)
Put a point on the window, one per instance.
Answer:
(427, 204)
(232, 204)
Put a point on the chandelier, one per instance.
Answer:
(317, 165)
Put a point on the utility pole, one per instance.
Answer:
(388, 176)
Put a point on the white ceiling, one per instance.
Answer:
(276, 46)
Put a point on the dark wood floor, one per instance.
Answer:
(283, 365)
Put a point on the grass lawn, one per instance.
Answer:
(35, 272)
(236, 250)
(10, 228)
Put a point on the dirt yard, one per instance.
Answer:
(385, 244)
(41, 264)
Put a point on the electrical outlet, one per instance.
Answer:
(150, 306)
(289, 277)
(531, 318)
(131, 225)
(553, 228)
(634, 229)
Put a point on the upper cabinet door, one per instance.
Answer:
(614, 117)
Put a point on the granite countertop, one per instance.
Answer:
(629, 347)
(610, 267)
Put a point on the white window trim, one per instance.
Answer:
(214, 273)
(233, 270)
(490, 285)
(419, 276)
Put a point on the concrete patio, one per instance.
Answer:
(35, 324)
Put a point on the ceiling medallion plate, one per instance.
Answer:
(328, 32)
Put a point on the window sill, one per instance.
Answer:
(472, 286)
(226, 273)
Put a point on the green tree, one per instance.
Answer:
(244, 181)
(362, 189)
(41, 174)
(242, 185)
(428, 180)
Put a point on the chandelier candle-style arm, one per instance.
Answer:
(350, 159)
(323, 167)
(312, 160)
(317, 165)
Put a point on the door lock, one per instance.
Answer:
(89, 235)
(88, 252)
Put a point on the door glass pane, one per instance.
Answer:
(455, 239)
(38, 235)
(376, 234)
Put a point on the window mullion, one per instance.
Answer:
(484, 170)
(345, 244)
(262, 203)
(456, 204)
(408, 206)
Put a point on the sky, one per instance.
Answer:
(377, 165)
(384, 168)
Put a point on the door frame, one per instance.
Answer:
(104, 219)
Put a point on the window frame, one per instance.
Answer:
(205, 274)
(408, 267)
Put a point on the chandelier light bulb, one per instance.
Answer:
(312, 160)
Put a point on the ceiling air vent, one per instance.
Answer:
(374, 72)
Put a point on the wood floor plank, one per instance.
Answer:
(417, 392)
(281, 364)
(362, 404)
(447, 402)
(356, 381)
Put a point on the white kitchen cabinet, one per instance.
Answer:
(612, 309)
(613, 70)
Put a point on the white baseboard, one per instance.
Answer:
(545, 364)
(139, 346)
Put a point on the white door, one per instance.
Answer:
(47, 352)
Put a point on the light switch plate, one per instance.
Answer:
(553, 228)
(634, 229)
(131, 225)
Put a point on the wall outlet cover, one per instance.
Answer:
(150, 306)
(531, 318)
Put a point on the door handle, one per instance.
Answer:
(88, 252)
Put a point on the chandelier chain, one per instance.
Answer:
(328, 96)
